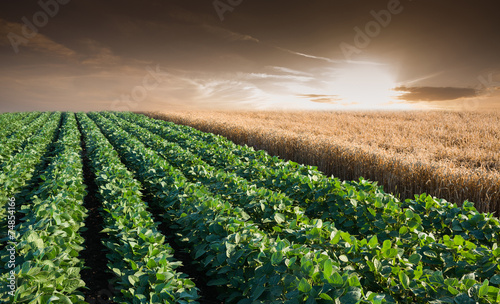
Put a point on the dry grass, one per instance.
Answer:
(450, 155)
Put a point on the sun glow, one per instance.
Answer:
(364, 86)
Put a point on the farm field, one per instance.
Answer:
(147, 211)
(452, 155)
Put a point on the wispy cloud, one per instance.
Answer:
(290, 71)
(228, 34)
(235, 36)
(89, 53)
(329, 60)
(11, 32)
(426, 77)
(309, 56)
(276, 77)
(319, 98)
(434, 93)
(97, 54)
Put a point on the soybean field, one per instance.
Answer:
(118, 207)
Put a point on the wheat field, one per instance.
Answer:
(451, 155)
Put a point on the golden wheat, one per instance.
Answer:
(451, 155)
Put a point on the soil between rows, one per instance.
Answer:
(94, 253)
(208, 294)
(24, 195)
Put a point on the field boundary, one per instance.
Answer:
(398, 176)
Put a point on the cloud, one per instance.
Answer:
(228, 34)
(330, 99)
(90, 52)
(11, 34)
(434, 93)
(329, 60)
(275, 77)
(290, 71)
(426, 77)
(99, 54)
(309, 56)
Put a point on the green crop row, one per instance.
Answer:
(47, 268)
(263, 229)
(11, 122)
(403, 228)
(16, 141)
(457, 259)
(436, 253)
(139, 256)
(360, 208)
(346, 257)
(246, 261)
(16, 173)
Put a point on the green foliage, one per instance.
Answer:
(48, 243)
(419, 246)
(18, 169)
(264, 230)
(139, 257)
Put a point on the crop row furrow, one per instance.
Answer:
(360, 208)
(20, 138)
(48, 240)
(421, 285)
(18, 171)
(415, 242)
(271, 209)
(240, 257)
(139, 256)
(11, 122)
(411, 240)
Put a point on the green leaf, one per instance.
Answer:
(404, 279)
(151, 264)
(53, 298)
(495, 279)
(354, 281)
(279, 218)
(307, 266)
(200, 252)
(304, 286)
(64, 299)
(335, 237)
(484, 289)
(377, 264)
(386, 245)
(453, 291)
(430, 254)
(258, 292)
(328, 268)
(463, 298)
(373, 242)
(415, 258)
(375, 298)
(351, 297)
(344, 258)
(337, 280)
(276, 258)
(133, 265)
(458, 240)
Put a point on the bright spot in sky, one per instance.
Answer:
(364, 85)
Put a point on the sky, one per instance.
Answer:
(156, 55)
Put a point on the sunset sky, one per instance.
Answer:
(249, 54)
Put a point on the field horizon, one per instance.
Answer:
(118, 207)
(446, 149)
